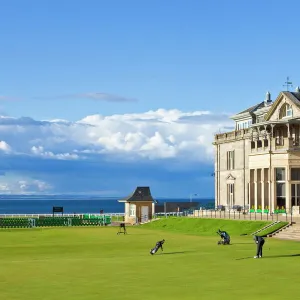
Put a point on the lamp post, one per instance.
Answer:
(191, 197)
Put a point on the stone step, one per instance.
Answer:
(289, 233)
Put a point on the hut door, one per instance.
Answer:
(145, 213)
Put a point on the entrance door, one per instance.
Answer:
(145, 213)
(296, 194)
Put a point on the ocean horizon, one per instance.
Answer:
(75, 204)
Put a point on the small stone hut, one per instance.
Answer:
(139, 206)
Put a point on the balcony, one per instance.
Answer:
(231, 136)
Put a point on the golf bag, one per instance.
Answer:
(225, 238)
(157, 246)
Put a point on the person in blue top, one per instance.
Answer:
(225, 237)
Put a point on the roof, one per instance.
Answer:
(296, 95)
(250, 109)
(141, 193)
(293, 96)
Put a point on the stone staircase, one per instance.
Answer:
(266, 227)
(289, 232)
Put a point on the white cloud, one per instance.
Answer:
(4, 147)
(100, 96)
(11, 185)
(159, 134)
(39, 151)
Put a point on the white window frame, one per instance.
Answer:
(230, 195)
(132, 210)
(230, 160)
(289, 110)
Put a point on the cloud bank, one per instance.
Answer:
(99, 96)
(113, 152)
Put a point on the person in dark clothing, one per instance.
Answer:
(259, 240)
(225, 236)
(157, 246)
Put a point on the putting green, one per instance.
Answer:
(96, 263)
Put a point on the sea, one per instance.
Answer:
(74, 204)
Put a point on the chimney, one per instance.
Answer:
(268, 98)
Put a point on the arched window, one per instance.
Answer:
(285, 111)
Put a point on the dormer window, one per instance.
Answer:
(289, 111)
(285, 111)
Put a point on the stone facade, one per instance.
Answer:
(257, 165)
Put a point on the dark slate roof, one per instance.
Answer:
(296, 95)
(252, 108)
(141, 193)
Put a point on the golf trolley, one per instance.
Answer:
(122, 228)
(225, 238)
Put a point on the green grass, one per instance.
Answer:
(205, 227)
(272, 229)
(96, 263)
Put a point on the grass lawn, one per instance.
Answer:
(96, 263)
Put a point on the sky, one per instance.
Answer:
(103, 96)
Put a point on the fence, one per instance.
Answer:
(50, 221)
(235, 215)
(114, 216)
(286, 216)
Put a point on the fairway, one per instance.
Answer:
(96, 263)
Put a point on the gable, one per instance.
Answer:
(230, 179)
(284, 101)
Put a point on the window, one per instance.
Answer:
(244, 124)
(280, 186)
(230, 194)
(259, 144)
(230, 160)
(132, 210)
(286, 110)
(280, 189)
(280, 174)
(295, 174)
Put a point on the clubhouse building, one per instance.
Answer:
(257, 166)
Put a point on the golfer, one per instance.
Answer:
(260, 242)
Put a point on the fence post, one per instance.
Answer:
(234, 214)
(229, 213)
(215, 214)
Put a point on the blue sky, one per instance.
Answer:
(144, 85)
